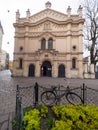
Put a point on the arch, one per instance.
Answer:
(46, 69)
(50, 43)
(43, 44)
(31, 70)
(61, 71)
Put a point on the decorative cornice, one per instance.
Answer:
(53, 34)
(64, 22)
(40, 51)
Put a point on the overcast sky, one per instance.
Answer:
(8, 10)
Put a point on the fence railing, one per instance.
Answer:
(30, 97)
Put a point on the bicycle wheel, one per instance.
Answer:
(48, 98)
(74, 98)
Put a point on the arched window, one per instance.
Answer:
(20, 63)
(50, 43)
(43, 44)
(74, 63)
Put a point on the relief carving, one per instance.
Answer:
(48, 13)
(47, 26)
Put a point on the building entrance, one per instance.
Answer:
(46, 69)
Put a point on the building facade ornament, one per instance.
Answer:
(48, 4)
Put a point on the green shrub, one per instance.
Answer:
(62, 125)
(69, 117)
(43, 110)
(82, 117)
(32, 120)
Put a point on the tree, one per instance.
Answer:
(91, 28)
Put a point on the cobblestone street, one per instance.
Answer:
(8, 90)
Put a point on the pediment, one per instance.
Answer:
(48, 14)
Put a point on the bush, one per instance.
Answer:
(43, 110)
(78, 117)
(69, 117)
(32, 120)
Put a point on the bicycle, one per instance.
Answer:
(50, 96)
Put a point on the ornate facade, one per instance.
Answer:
(49, 43)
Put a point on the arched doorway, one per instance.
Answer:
(31, 70)
(61, 71)
(46, 69)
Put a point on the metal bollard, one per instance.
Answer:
(36, 93)
(17, 106)
(84, 93)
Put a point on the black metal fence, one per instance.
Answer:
(30, 97)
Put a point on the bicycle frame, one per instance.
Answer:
(60, 93)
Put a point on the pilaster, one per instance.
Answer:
(80, 67)
(37, 69)
(26, 39)
(55, 69)
(25, 69)
(68, 56)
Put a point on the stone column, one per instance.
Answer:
(55, 69)
(26, 40)
(54, 44)
(68, 69)
(25, 69)
(80, 39)
(80, 50)
(80, 69)
(68, 55)
(37, 69)
(46, 44)
(15, 44)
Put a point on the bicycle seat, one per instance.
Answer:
(53, 87)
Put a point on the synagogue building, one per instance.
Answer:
(49, 43)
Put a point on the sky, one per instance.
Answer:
(8, 10)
